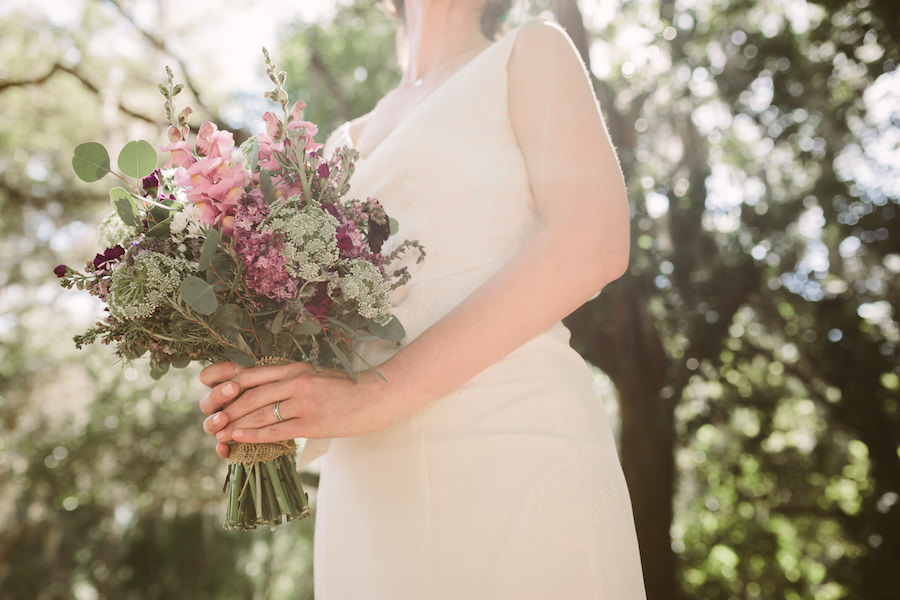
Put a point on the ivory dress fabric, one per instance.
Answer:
(510, 487)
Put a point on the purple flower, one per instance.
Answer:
(265, 274)
(323, 171)
(251, 210)
(60, 270)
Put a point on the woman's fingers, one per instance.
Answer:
(255, 409)
(223, 450)
(219, 397)
(219, 373)
(272, 433)
(215, 422)
(257, 376)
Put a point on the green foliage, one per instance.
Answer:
(767, 258)
(137, 159)
(91, 161)
(199, 295)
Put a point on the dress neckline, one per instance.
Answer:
(421, 105)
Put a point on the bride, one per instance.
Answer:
(484, 467)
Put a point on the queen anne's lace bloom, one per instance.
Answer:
(137, 290)
(114, 231)
(309, 237)
(365, 284)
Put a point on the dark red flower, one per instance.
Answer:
(378, 233)
(60, 270)
(101, 261)
(323, 170)
(321, 302)
(150, 183)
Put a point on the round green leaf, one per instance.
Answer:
(123, 205)
(91, 161)
(199, 295)
(210, 245)
(239, 357)
(137, 159)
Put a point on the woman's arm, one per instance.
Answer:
(578, 186)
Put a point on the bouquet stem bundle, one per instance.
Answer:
(263, 486)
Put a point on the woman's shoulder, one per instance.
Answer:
(544, 45)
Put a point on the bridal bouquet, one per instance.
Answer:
(248, 254)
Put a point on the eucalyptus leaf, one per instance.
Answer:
(137, 159)
(394, 225)
(307, 327)
(199, 295)
(265, 184)
(91, 161)
(158, 370)
(345, 362)
(392, 330)
(265, 338)
(341, 324)
(158, 214)
(227, 320)
(210, 245)
(240, 357)
(124, 206)
(160, 229)
(277, 322)
(181, 362)
(254, 155)
(220, 273)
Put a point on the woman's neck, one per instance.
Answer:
(439, 32)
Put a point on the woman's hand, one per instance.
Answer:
(312, 404)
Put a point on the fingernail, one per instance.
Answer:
(237, 433)
(217, 419)
(221, 436)
(229, 389)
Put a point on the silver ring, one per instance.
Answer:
(276, 412)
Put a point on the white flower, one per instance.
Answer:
(310, 239)
(186, 223)
(114, 232)
(365, 284)
(137, 290)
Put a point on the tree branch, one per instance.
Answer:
(160, 44)
(58, 67)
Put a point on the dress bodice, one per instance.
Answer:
(452, 174)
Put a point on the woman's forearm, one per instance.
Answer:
(556, 272)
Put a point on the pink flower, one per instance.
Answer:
(181, 154)
(213, 143)
(273, 125)
(297, 111)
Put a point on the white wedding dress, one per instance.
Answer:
(510, 487)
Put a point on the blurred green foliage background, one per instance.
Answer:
(752, 346)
